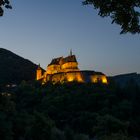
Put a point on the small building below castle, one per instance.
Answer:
(65, 69)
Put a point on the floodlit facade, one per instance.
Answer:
(65, 69)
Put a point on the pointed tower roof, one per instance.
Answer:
(38, 68)
(70, 52)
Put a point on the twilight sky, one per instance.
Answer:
(40, 30)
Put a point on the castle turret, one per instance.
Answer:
(38, 73)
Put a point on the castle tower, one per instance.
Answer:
(38, 73)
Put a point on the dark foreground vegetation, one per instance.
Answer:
(70, 112)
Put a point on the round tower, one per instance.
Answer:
(38, 73)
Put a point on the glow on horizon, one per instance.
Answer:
(43, 30)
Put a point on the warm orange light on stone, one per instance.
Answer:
(70, 78)
(99, 78)
(38, 73)
(104, 80)
(80, 78)
(94, 78)
(53, 69)
(70, 66)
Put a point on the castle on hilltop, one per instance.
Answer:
(65, 69)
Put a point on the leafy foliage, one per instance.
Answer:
(122, 12)
(70, 112)
(6, 4)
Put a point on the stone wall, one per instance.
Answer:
(75, 76)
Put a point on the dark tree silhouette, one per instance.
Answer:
(123, 12)
(4, 3)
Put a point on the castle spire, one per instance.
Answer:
(70, 52)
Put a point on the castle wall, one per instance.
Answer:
(67, 77)
(74, 76)
(53, 69)
(98, 78)
(69, 66)
(58, 78)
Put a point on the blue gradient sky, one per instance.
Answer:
(40, 30)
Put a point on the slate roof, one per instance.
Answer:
(56, 61)
(71, 58)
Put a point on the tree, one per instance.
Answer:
(122, 12)
(116, 136)
(40, 128)
(4, 3)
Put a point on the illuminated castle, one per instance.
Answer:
(65, 69)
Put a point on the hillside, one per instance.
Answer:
(124, 80)
(14, 69)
